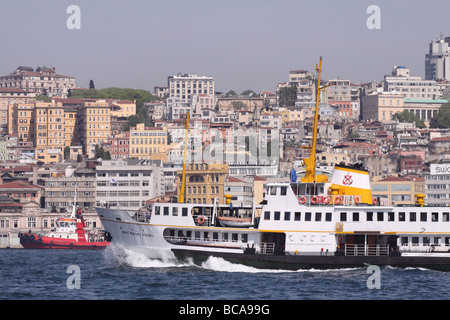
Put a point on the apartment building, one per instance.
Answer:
(43, 80)
(11, 96)
(95, 125)
(204, 182)
(147, 141)
(119, 146)
(412, 87)
(128, 184)
(381, 106)
(50, 130)
(122, 108)
(184, 86)
(398, 190)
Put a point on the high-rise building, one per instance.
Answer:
(184, 86)
(437, 60)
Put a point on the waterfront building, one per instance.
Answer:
(397, 190)
(128, 184)
(60, 189)
(204, 182)
(437, 185)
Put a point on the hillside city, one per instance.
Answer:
(124, 148)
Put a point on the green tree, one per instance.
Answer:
(101, 153)
(238, 105)
(249, 93)
(66, 153)
(91, 84)
(287, 96)
(442, 118)
(406, 116)
(230, 93)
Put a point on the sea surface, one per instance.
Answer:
(118, 274)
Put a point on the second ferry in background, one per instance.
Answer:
(311, 223)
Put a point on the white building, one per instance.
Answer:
(437, 185)
(412, 87)
(128, 184)
(437, 60)
(184, 86)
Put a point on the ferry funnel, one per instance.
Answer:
(351, 181)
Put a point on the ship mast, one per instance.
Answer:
(310, 162)
(183, 177)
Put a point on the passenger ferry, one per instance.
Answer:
(305, 223)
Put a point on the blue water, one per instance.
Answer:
(115, 273)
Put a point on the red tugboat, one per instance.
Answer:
(68, 234)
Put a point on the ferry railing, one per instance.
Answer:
(329, 200)
(366, 250)
(267, 248)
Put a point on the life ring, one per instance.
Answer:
(302, 200)
(356, 199)
(338, 200)
(314, 200)
(326, 200)
(374, 201)
(201, 219)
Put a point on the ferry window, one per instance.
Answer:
(445, 216)
(426, 241)
(266, 215)
(175, 211)
(166, 211)
(307, 216)
(184, 212)
(157, 210)
(380, 216)
(447, 241)
(318, 216)
(343, 216)
(355, 216)
(412, 216)
(197, 235)
(423, 216)
(391, 216)
(297, 216)
(434, 216)
(215, 236)
(225, 237)
(369, 216)
(401, 216)
(234, 237)
(415, 241)
(437, 241)
(283, 191)
(328, 216)
(172, 233)
(277, 215)
(206, 235)
(188, 234)
(287, 216)
(273, 191)
(244, 237)
(404, 241)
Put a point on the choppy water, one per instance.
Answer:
(115, 273)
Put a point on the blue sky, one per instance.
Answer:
(243, 44)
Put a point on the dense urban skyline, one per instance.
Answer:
(243, 45)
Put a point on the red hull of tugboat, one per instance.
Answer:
(32, 241)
